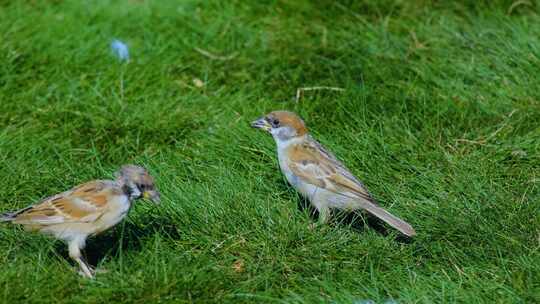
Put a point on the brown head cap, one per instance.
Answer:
(289, 119)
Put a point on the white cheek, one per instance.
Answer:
(275, 132)
(283, 133)
(135, 193)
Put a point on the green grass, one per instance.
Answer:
(440, 117)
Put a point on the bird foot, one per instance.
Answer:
(90, 272)
(86, 274)
(313, 226)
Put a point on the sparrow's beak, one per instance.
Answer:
(262, 123)
(152, 195)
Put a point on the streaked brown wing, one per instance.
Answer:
(84, 203)
(316, 166)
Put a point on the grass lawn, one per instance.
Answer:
(439, 116)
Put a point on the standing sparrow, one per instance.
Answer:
(317, 174)
(86, 210)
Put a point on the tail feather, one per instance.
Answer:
(7, 217)
(390, 219)
(10, 216)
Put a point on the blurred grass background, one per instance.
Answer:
(440, 117)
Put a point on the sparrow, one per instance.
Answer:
(86, 210)
(317, 174)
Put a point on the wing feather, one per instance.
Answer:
(313, 163)
(84, 203)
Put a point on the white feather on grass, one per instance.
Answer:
(120, 50)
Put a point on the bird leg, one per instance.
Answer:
(75, 247)
(86, 270)
(324, 215)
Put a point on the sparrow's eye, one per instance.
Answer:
(274, 122)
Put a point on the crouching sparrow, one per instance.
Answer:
(86, 210)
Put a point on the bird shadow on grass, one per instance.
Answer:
(358, 221)
(127, 236)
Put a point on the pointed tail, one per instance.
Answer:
(390, 219)
(10, 216)
(7, 217)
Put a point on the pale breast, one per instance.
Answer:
(118, 208)
(307, 190)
